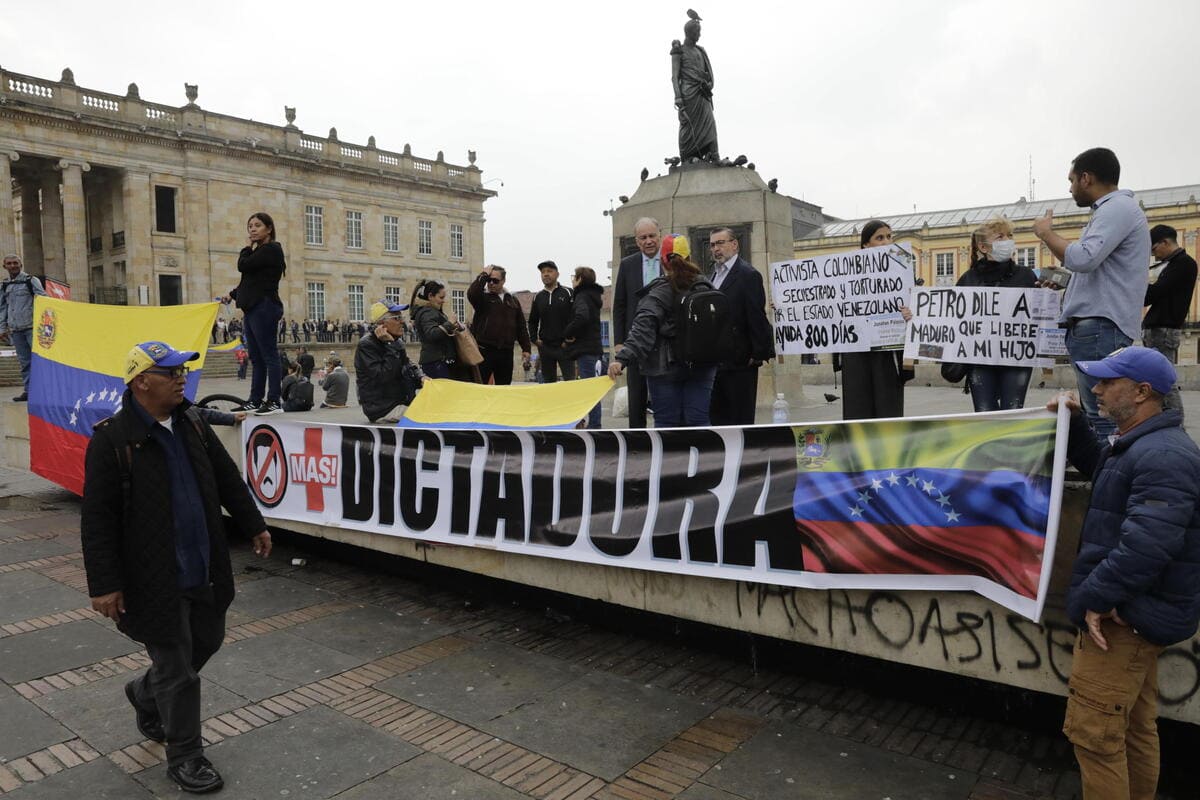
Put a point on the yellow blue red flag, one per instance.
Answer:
(535, 406)
(79, 353)
(227, 347)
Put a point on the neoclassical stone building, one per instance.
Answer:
(138, 203)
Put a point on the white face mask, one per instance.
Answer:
(1002, 250)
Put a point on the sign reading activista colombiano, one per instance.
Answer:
(967, 503)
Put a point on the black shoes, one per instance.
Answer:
(147, 721)
(248, 406)
(21, 398)
(196, 775)
(267, 408)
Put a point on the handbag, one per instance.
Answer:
(468, 349)
(953, 372)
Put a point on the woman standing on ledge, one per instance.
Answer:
(261, 266)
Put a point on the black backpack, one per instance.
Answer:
(300, 398)
(703, 328)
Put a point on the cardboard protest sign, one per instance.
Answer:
(983, 325)
(845, 302)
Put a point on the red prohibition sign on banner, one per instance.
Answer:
(266, 466)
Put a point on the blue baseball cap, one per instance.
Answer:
(382, 310)
(1139, 364)
(155, 354)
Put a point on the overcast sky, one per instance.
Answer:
(865, 108)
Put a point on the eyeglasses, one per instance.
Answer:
(720, 242)
(173, 372)
(494, 281)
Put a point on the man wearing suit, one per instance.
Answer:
(736, 388)
(634, 272)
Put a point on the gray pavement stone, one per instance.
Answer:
(482, 683)
(370, 632)
(98, 780)
(261, 666)
(317, 753)
(101, 715)
(16, 552)
(792, 761)
(270, 596)
(599, 723)
(45, 652)
(702, 791)
(25, 728)
(428, 777)
(39, 597)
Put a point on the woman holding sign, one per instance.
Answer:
(873, 382)
(994, 387)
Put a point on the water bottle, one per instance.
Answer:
(779, 414)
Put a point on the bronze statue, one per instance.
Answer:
(692, 79)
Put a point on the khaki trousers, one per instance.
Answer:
(1112, 708)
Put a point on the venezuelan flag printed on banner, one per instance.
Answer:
(965, 496)
(79, 352)
(535, 406)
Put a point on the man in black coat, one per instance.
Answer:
(549, 315)
(735, 390)
(634, 272)
(1169, 298)
(384, 376)
(497, 324)
(155, 480)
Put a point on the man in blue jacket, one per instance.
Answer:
(16, 314)
(1135, 584)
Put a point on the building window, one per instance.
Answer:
(391, 234)
(355, 293)
(1026, 257)
(456, 241)
(354, 229)
(604, 341)
(393, 295)
(314, 225)
(944, 271)
(316, 300)
(164, 209)
(458, 303)
(424, 237)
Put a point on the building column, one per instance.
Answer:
(139, 255)
(52, 227)
(75, 237)
(8, 228)
(31, 227)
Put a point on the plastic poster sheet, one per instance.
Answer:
(989, 325)
(844, 302)
(966, 502)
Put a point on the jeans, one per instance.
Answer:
(587, 367)
(172, 684)
(497, 364)
(259, 338)
(1112, 706)
(554, 358)
(681, 399)
(1166, 341)
(436, 369)
(23, 344)
(1091, 339)
(995, 388)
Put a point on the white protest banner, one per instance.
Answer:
(992, 325)
(844, 302)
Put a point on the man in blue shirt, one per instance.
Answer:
(154, 548)
(1102, 309)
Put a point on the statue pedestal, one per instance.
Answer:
(694, 199)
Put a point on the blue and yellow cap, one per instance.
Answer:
(155, 354)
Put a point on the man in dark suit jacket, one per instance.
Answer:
(735, 389)
(634, 272)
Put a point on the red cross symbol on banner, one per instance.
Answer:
(314, 468)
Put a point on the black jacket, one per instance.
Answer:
(549, 315)
(131, 548)
(752, 334)
(625, 295)
(652, 332)
(584, 326)
(261, 269)
(1170, 296)
(499, 320)
(380, 376)
(998, 273)
(434, 331)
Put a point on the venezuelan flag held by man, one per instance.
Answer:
(80, 352)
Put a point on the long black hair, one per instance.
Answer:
(869, 230)
(265, 219)
(425, 289)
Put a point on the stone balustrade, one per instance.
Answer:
(191, 121)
